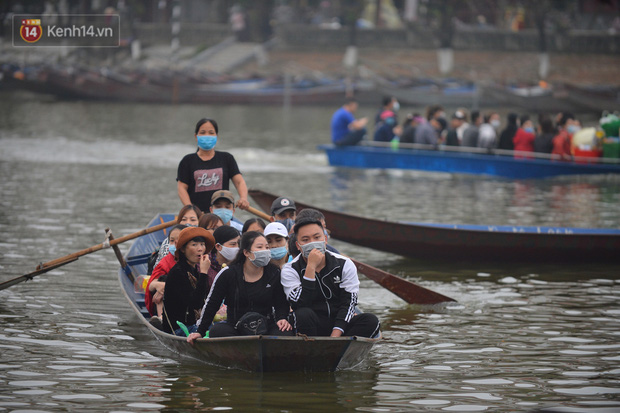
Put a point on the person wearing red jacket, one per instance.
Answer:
(154, 292)
(524, 138)
(562, 141)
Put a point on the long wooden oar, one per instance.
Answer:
(58, 262)
(408, 291)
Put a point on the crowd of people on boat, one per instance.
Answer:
(521, 134)
(214, 276)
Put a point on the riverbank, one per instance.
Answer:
(250, 59)
(470, 65)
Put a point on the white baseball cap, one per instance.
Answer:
(277, 229)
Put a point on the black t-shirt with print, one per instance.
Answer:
(203, 178)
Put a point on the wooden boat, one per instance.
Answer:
(595, 97)
(146, 87)
(532, 98)
(251, 353)
(448, 92)
(476, 161)
(467, 242)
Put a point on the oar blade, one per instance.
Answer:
(408, 291)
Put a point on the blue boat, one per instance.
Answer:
(475, 161)
(249, 353)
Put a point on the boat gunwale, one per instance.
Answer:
(445, 229)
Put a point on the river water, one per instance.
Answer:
(522, 337)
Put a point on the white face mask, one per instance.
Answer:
(495, 123)
(229, 253)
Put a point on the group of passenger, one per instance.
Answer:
(217, 277)
(474, 130)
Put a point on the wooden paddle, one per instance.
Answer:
(58, 262)
(408, 291)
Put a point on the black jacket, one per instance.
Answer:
(180, 298)
(333, 293)
(261, 296)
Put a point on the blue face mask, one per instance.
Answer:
(225, 214)
(572, 129)
(529, 130)
(206, 142)
(288, 223)
(172, 249)
(278, 253)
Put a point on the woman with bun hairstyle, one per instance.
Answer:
(187, 283)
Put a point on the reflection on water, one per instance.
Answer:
(203, 389)
(522, 337)
(589, 201)
(510, 341)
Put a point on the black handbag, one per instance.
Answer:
(252, 324)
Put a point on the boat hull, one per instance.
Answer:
(92, 85)
(467, 96)
(459, 162)
(467, 243)
(250, 353)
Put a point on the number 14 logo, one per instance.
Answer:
(30, 30)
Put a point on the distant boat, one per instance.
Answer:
(476, 161)
(250, 353)
(480, 243)
(598, 98)
(156, 87)
(445, 92)
(531, 98)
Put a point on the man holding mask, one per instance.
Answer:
(322, 288)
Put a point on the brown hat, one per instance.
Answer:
(222, 193)
(189, 234)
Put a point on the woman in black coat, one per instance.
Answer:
(252, 290)
(186, 286)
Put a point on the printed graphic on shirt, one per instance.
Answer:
(208, 179)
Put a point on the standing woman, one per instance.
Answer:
(252, 290)
(186, 286)
(202, 173)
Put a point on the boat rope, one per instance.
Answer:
(106, 242)
(168, 318)
(305, 337)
